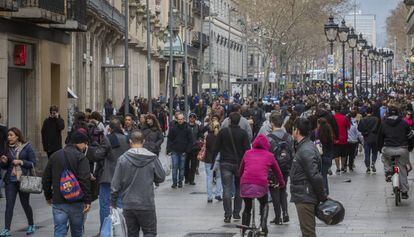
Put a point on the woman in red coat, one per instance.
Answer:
(254, 179)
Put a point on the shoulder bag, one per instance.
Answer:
(31, 183)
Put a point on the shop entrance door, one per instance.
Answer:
(16, 108)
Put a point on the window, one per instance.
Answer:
(251, 60)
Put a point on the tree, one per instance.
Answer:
(396, 32)
(290, 30)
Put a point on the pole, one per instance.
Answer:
(228, 56)
(185, 59)
(126, 64)
(343, 68)
(332, 88)
(210, 55)
(170, 68)
(360, 73)
(201, 43)
(366, 75)
(372, 81)
(149, 59)
(353, 73)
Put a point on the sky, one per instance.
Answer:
(382, 9)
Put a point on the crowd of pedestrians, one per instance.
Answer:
(250, 149)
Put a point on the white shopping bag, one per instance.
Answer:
(166, 165)
(119, 227)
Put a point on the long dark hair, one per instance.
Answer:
(18, 133)
(324, 132)
(154, 120)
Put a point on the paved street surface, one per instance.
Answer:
(370, 211)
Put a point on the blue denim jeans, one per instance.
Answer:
(62, 213)
(178, 164)
(370, 151)
(326, 165)
(209, 180)
(105, 201)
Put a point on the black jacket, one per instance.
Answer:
(52, 134)
(394, 132)
(210, 143)
(369, 127)
(153, 139)
(180, 139)
(225, 147)
(3, 140)
(306, 185)
(79, 164)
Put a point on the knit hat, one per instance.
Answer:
(79, 137)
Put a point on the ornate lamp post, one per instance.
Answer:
(360, 43)
(343, 32)
(366, 54)
(331, 32)
(371, 56)
(352, 42)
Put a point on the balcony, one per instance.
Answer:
(42, 11)
(196, 40)
(197, 5)
(9, 5)
(108, 13)
(409, 2)
(177, 21)
(76, 16)
(190, 22)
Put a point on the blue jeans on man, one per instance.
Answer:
(371, 152)
(105, 201)
(72, 213)
(178, 165)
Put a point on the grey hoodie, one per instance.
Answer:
(135, 174)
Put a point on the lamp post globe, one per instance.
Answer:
(353, 43)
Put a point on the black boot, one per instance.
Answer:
(263, 218)
(246, 219)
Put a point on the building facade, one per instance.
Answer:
(225, 27)
(365, 24)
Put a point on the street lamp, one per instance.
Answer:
(391, 58)
(352, 42)
(366, 54)
(376, 59)
(371, 56)
(343, 32)
(331, 32)
(381, 67)
(360, 43)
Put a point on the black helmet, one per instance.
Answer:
(331, 212)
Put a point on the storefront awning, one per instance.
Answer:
(71, 94)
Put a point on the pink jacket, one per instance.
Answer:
(256, 163)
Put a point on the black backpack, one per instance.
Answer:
(280, 149)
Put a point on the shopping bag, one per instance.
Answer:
(106, 229)
(119, 227)
(166, 165)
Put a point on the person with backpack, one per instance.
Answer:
(354, 138)
(369, 127)
(66, 185)
(114, 145)
(281, 145)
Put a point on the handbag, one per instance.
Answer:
(31, 183)
(202, 153)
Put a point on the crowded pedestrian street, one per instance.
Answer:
(206, 118)
(368, 200)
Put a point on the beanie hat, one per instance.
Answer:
(79, 137)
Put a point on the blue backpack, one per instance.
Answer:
(69, 185)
